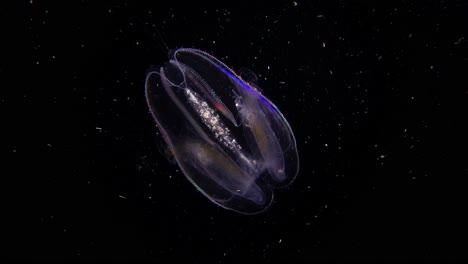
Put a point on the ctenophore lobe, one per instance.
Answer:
(229, 140)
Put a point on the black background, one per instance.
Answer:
(375, 93)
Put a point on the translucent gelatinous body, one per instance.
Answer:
(229, 140)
